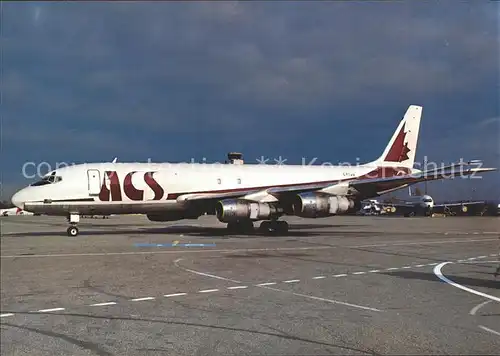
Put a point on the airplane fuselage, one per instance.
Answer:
(114, 188)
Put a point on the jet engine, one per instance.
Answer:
(314, 205)
(230, 210)
(172, 216)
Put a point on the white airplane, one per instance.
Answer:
(413, 205)
(238, 194)
(14, 211)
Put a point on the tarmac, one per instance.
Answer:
(345, 285)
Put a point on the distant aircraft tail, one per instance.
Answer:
(403, 145)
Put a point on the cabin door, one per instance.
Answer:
(94, 181)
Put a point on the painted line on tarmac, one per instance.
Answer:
(102, 304)
(49, 310)
(474, 310)
(132, 253)
(428, 242)
(439, 274)
(489, 330)
(174, 295)
(239, 286)
(266, 286)
(208, 291)
(357, 306)
(142, 299)
(173, 245)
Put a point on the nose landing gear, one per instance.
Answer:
(72, 231)
(73, 220)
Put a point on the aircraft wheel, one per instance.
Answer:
(72, 231)
(247, 226)
(275, 227)
(265, 226)
(244, 226)
(281, 227)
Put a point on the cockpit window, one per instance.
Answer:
(50, 179)
(427, 200)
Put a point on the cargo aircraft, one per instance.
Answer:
(412, 205)
(238, 194)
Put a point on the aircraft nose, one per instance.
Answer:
(18, 199)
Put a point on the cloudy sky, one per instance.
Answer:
(178, 81)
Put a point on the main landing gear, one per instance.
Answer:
(274, 226)
(73, 219)
(266, 227)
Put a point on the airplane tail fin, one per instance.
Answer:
(403, 145)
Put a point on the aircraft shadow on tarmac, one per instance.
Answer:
(299, 230)
(466, 281)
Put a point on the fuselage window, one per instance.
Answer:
(219, 181)
(239, 181)
(48, 180)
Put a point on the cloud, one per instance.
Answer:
(176, 79)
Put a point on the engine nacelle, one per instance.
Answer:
(172, 216)
(314, 205)
(234, 209)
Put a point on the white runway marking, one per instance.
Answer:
(142, 299)
(392, 268)
(474, 310)
(418, 266)
(174, 295)
(437, 272)
(406, 267)
(324, 299)
(176, 263)
(208, 290)
(489, 330)
(102, 304)
(428, 242)
(292, 281)
(374, 271)
(49, 310)
(265, 286)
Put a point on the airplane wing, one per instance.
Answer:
(460, 204)
(256, 194)
(378, 186)
(454, 207)
(363, 188)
